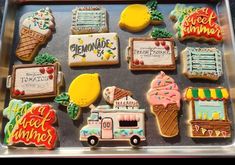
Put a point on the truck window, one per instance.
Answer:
(128, 123)
(94, 117)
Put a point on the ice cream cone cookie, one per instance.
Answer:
(30, 124)
(36, 30)
(82, 92)
(164, 100)
(137, 17)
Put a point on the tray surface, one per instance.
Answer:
(138, 82)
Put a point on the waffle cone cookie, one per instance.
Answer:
(167, 119)
(164, 100)
(36, 30)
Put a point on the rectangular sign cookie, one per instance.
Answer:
(151, 54)
(34, 81)
(89, 20)
(93, 49)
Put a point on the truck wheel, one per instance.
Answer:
(92, 140)
(135, 140)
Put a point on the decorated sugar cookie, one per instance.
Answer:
(90, 19)
(30, 124)
(202, 63)
(82, 92)
(93, 49)
(137, 17)
(35, 32)
(197, 24)
(42, 80)
(208, 112)
(122, 122)
(151, 54)
(164, 101)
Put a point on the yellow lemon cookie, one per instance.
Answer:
(135, 18)
(84, 89)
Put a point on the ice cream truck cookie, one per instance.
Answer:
(124, 121)
(164, 100)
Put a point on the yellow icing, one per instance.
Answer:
(135, 18)
(189, 94)
(213, 93)
(201, 93)
(225, 93)
(84, 89)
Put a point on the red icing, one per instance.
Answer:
(201, 23)
(50, 76)
(157, 43)
(167, 47)
(17, 92)
(163, 43)
(42, 70)
(35, 127)
(22, 93)
(141, 62)
(137, 62)
(50, 70)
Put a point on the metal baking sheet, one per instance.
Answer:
(138, 82)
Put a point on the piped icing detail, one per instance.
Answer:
(41, 21)
(163, 91)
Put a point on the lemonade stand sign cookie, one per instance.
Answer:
(93, 49)
(82, 92)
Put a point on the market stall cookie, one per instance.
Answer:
(93, 49)
(91, 19)
(202, 63)
(124, 121)
(164, 100)
(151, 54)
(137, 17)
(30, 124)
(82, 92)
(35, 32)
(208, 113)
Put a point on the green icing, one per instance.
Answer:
(90, 131)
(15, 110)
(152, 4)
(219, 93)
(45, 58)
(195, 93)
(160, 33)
(62, 99)
(207, 93)
(156, 15)
(73, 111)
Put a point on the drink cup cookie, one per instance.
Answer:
(164, 100)
(35, 32)
(30, 124)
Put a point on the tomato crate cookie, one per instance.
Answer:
(151, 54)
(42, 80)
(202, 63)
(89, 20)
(36, 30)
(93, 49)
(30, 124)
(207, 110)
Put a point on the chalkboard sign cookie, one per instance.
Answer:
(151, 54)
(202, 63)
(93, 49)
(89, 19)
(35, 81)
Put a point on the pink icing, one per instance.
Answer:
(163, 91)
